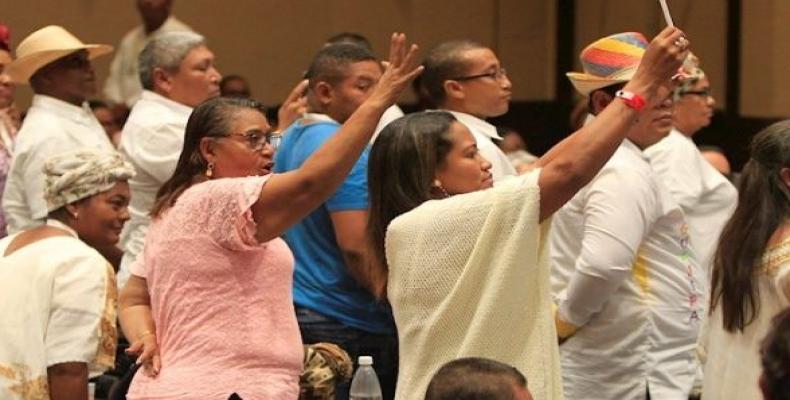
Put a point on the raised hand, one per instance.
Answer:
(402, 67)
(293, 106)
(660, 63)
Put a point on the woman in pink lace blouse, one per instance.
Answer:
(213, 287)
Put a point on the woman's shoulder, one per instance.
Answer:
(221, 188)
(463, 210)
(56, 253)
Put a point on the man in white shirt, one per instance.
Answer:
(466, 79)
(58, 68)
(707, 197)
(123, 84)
(177, 73)
(629, 291)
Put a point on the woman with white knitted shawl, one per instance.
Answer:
(463, 264)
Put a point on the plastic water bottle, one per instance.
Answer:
(365, 385)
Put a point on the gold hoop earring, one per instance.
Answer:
(210, 170)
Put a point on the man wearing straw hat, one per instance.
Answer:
(629, 291)
(58, 68)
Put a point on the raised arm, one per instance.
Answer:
(615, 222)
(572, 163)
(287, 198)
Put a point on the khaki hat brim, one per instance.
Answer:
(21, 69)
(586, 84)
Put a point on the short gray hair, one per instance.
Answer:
(166, 50)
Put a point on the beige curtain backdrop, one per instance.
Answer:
(705, 22)
(270, 42)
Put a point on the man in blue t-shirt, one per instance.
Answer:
(330, 292)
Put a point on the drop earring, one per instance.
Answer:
(437, 186)
(210, 170)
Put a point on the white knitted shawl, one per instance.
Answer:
(469, 276)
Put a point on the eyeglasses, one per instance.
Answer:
(701, 93)
(257, 139)
(496, 75)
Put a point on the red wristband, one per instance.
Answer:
(631, 99)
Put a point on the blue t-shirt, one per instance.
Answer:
(321, 281)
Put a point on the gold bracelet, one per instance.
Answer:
(144, 334)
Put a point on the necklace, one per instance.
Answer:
(57, 224)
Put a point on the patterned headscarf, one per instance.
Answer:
(693, 73)
(79, 174)
(325, 366)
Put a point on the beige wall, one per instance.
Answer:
(271, 42)
(765, 58)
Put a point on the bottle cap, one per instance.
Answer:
(365, 360)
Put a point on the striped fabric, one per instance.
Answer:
(608, 61)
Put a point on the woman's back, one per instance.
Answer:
(469, 277)
(58, 305)
(733, 366)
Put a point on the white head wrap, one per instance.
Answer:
(79, 174)
(693, 73)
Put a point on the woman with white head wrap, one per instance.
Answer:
(59, 295)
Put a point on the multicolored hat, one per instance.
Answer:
(608, 61)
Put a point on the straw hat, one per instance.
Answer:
(608, 61)
(45, 46)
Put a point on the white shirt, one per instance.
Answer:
(732, 359)
(390, 114)
(51, 127)
(483, 133)
(123, 84)
(151, 141)
(707, 197)
(58, 306)
(620, 272)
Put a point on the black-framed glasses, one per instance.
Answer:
(257, 139)
(496, 75)
(700, 93)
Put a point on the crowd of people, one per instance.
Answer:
(234, 253)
